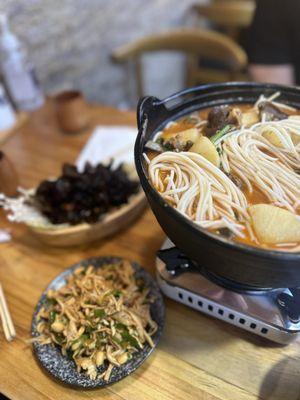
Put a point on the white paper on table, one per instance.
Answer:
(107, 142)
(5, 236)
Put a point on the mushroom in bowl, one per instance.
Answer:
(79, 207)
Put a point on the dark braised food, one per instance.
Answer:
(176, 144)
(221, 116)
(271, 112)
(77, 197)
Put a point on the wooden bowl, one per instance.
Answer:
(111, 223)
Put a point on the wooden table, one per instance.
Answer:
(198, 358)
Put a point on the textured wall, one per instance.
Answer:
(70, 42)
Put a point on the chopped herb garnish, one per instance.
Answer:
(117, 293)
(52, 316)
(84, 337)
(100, 339)
(69, 353)
(120, 326)
(59, 337)
(127, 338)
(51, 301)
(89, 329)
(116, 340)
(98, 313)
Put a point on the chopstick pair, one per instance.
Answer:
(7, 324)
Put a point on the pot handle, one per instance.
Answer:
(147, 107)
(152, 105)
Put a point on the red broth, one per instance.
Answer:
(256, 197)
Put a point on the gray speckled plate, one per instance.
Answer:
(63, 368)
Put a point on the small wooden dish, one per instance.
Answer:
(111, 223)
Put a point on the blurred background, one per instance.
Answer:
(70, 42)
(100, 47)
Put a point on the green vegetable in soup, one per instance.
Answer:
(222, 132)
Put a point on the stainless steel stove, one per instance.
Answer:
(271, 313)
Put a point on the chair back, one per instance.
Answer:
(231, 15)
(195, 44)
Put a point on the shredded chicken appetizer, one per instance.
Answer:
(99, 318)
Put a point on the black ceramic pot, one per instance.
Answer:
(240, 263)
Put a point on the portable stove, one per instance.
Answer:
(271, 313)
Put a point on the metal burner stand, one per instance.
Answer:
(274, 314)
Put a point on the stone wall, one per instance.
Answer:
(70, 42)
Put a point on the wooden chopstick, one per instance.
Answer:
(8, 326)
(5, 325)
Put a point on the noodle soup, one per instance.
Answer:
(234, 169)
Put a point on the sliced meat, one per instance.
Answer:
(271, 112)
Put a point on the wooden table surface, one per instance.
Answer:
(198, 357)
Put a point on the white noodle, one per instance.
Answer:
(201, 191)
(206, 195)
(261, 164)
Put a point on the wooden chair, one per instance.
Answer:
(231, 15)
(195, 44)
